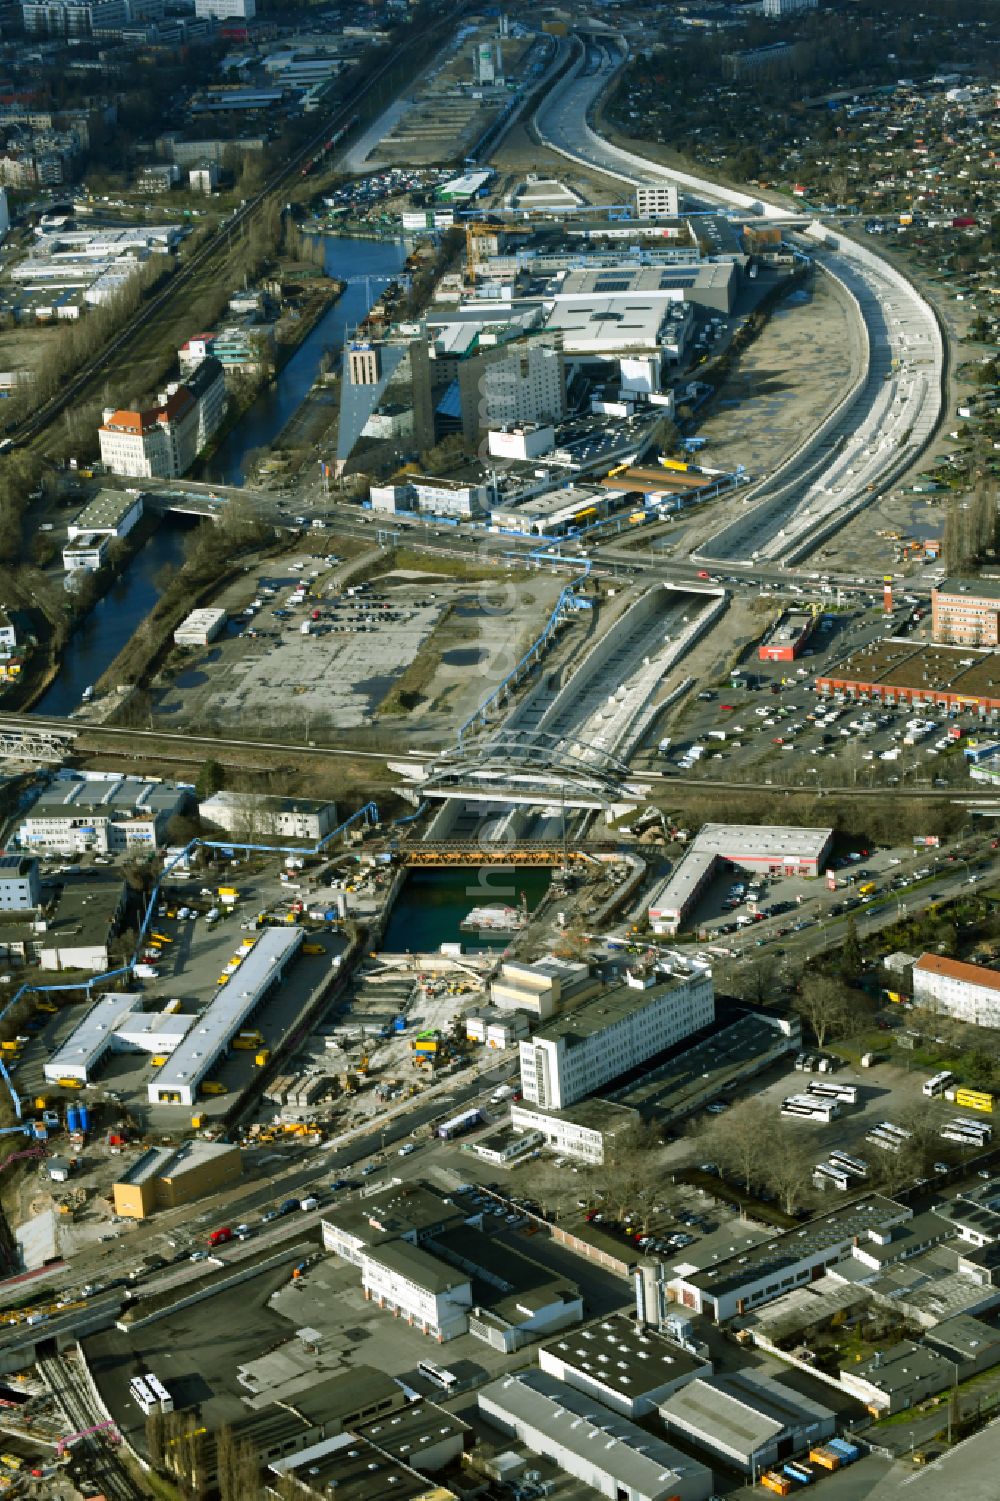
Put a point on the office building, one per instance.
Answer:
(73, 18)
(966, 612)
(257, 813)
(656, 200)
(110, 514)
(582, 1049)
(968, 992)
(225, 10)
(100, 812)
(20, 883)
(787, 7)
(589, 1442)
(86, 553)
(510, 384)
(755, 848)
(167, 1177)
(163, 441)
(542, 987)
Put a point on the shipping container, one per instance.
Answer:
(772, 1481)
(848, 1452)
(825, 1456)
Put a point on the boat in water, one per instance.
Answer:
(496, 918)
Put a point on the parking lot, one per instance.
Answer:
(312, 651)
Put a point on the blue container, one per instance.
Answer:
(72, 1119)
(399, 1025)
(84, 1118)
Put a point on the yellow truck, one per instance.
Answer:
(263, 1057)
(70, 1083)
(212, 1086)
(313, 948)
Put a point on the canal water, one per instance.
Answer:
(433, 903)
(353, 261)
(101, 635)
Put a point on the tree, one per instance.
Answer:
(980, 1069)
(851, 959)
(789, 1168)
(742, 1139)
(822, 1002)
(210, 779)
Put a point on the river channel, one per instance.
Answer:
(365, 265)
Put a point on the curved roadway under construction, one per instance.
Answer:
(879, 426)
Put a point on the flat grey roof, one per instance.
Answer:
(976, 588)
(108, 509)
(74, 796)
(788, 1247)
(92, 1036)
(671, 1089)
(404, 1433)
(708, 1410)
(611, 1006)
(579, 1424)
(228, 1009)
(903, 1366)
(629, 1358)
(735, 842)
(420, 1267)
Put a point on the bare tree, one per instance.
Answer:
(788, 1170)
(823, 1003)
(741, 1140)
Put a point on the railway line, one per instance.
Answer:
(74, 1398)
(301, 163)
(171, 745)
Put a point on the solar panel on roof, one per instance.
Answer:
(612, 284)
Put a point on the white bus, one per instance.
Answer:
(826, 1175)
(831, 1089)
(159, 1391)
(141, 1395)
(938, 1084)
(953, 1133)
(883, 1141)
(899, 1133)
(445, 1380)
(854, 1165)
(976, 1128)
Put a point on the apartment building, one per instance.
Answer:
(20, 884)
(966, 612)
(163, 441)
(968, 992)
(582, 1049)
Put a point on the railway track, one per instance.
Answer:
(109, 357)
(73, 1396)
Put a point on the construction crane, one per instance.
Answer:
(70, 1438)
(474, 231)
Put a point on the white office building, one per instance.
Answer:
(970, 992)
(657, 200)
(584, 1439)
(257, 813)
(578, 1052)
(101, 812)
(225, 10)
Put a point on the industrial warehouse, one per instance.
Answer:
(749, 847)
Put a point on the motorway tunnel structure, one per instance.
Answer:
(869, 438)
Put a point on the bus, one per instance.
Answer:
(938, 1084)
(826, 1175)
(795, 1108)
(141, 1395)
(975, 1099)
(898, 1133)
(459, 1124)
(159, 1392)
(445, 1381)
(883, 1141)
(964, 1138)
(976, 1128)
(830, 1089)
(856, 1166)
